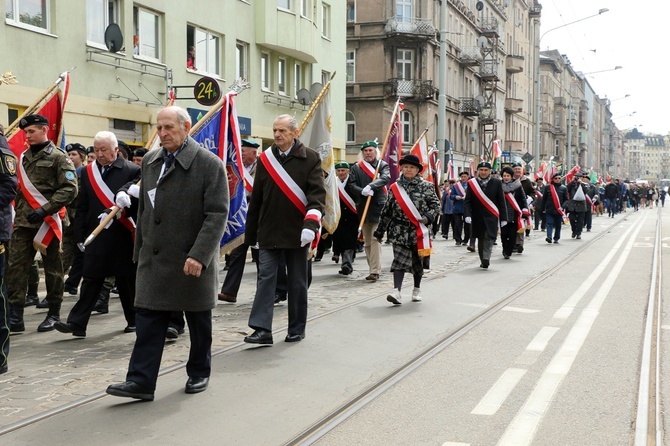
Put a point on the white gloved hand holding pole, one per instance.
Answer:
(122, 200)
(367, 191)
(134, 191)
(468, 220)
(306, 237)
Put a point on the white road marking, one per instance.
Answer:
(566, 309)
(499, 392)
(455, 443)
(520, 310)
(665, 327)
(521, 430)
(539, 343)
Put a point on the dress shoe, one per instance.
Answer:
(130, 389)
(129, 329)
(372, 277)
(346, 270)
(49, 322)
(280, 298)
(31, 300)
(578, 237)
(227, 297)
(471, 248)
(485, 264)
(335, 258)
(262, 337)
(196, 384)
(3, 368)
(172, 333)
(42, 304)
(102, 304)
(294, 337)
(548, 239)
(555, 241)
(69, 328)
(72, 290)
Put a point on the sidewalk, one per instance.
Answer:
(49, 370)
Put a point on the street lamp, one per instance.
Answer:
(538, 80)
(624, 116)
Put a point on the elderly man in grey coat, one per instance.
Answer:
(183, 208)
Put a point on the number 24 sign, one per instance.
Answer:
(207, 91)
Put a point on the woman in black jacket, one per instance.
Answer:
(517, 209)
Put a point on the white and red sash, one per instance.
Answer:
(367, 168)
(538, 193)
(52, 225)
(554, 198)
(509, 196)
(345, 197)
(481, 196)
(105, 194)
(590, 202)
(248, 180)
(459, 187)
(423, 242)
(291, 189)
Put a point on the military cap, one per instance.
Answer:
(75, 146)
(516, 164)
(464, 173)
(124, 148)
(90, 149)
(342, 165)
(484, 164)
(140, 152)
(33, 120)
(369, 144)
(247, 143)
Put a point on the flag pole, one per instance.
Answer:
(48, 93)
(381, 157)
(315, 104)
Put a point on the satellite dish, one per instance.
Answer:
(315, 89)
(113, 38)
(480, 6)
(304, 97)
(483, 42)
(481, 100)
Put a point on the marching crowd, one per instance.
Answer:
(164, 212)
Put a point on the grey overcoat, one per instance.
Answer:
(186, 219)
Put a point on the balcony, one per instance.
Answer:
(490, 27)
(470, 56)
(416, 89)
(488, 72)
(513, 105)
(535, 11)
(410, 26)
(469, 107)
(514, 64)
(560, 101)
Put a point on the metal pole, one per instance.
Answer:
(568, 156)
(441, 140)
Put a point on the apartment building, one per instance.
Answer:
(282, 47)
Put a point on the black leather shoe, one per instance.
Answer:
(196, 384)
(72, 290)
(259, 337)
(130, 389)
(31, 300)
(485, 264)
(49, 323)
(129, 329)
(294, 337)
(42, 304)
(280, 298)
(69, 328)
(3, 368)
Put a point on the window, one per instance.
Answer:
(351, 11)
(325, 25)
(284, 4)
(325, 77)
(403, 10)
(241, 57)
(31, 13)
(351, 66)
(297, 79)
(281, 76)
(406, 120)
(265, 71)
(99, 14)
(304, 8)
(404, 65)
(203, 52)
(350, 122)
(147, 37)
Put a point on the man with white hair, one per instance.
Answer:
(104, 183)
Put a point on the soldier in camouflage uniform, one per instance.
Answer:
(52, 174)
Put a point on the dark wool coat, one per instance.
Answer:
(8, 188)
(548, 202)
(400, 229)
(360, 179)
(520, 197)
(484, 222)
(573, 205)
(111, 252)
(273, 221)
(346, 235)
(187, 219)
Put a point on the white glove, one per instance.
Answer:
(367, 191)
(102, 217)
(306, 237)
(134, 191)
(503, 224)
(122, 200)
(468, 220)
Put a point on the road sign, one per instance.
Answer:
(527, 157)
(207, 91)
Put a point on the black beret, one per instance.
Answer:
(124, 147)
(517, 164)
(33, 120)
(90, 149)
(485, 164)
(78, 147)
(247, 143)
(140, 152)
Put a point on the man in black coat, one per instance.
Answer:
(485, 210)
(555, 197)
(611, 193)
(346, 234)
(104, 183)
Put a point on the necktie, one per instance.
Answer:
(282, 158)
(105, 169)
(169, 161)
